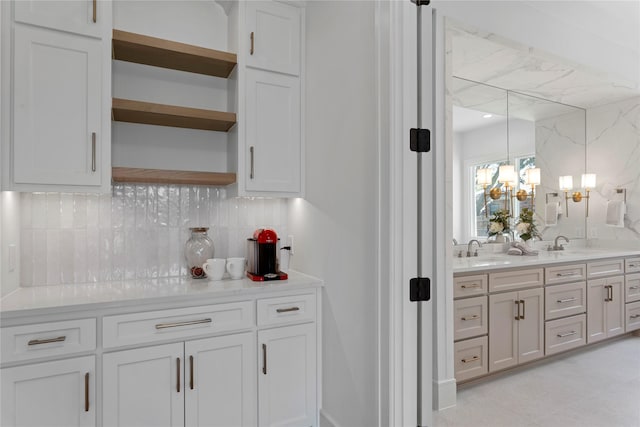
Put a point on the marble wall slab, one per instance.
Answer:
(136, 232)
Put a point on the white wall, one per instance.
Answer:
(334, 227)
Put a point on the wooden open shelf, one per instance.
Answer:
(125, 110)
(162, 176)
(148, 50)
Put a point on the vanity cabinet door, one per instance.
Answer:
(60, 393)
(531, 325)
(503, 331)
(144, 387)
(605, 308)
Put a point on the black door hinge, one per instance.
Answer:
(421, 2)
(420, 140)
(420, 289)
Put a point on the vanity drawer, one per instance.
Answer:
(467, 286)
(632, 313)
(632, 265)
(471, 358)
(515, 279)
(47, 339)
(565, 273)
(470, 317)
(565, 300)
(609, 267)
(284, 310)
(632, 287)
(181, 323)
(564, 334)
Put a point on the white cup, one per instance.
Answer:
(235, 267)
(214, 268)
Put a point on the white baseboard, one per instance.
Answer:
(326, 420)
(444, 394)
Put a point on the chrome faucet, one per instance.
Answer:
(455, 242)
(469, 247)
(557, 247)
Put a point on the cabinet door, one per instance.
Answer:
(60, 393)
(531, 325)
(221, 381)
(274, 37)
(287, 376)
(144, 387)
(273, 149)
(503, 331)
(75, 16)
(56, 108)
(614, 309)
(596, 319)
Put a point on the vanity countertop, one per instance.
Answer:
(501, 261)
(47, 299)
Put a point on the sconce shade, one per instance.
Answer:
(507, 174)
(483, 176)
(589, 180)
(533, 176)
(566, 182)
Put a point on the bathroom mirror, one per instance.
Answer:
(494, 127)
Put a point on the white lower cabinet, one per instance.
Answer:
(286, 379)
(605, 308)
(516, 333)
(207, 382)
(60, 393)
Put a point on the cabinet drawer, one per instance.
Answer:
(285, 310)
(471, 358)
(632, 314)
(470, 317)
(632, 287)
(632, 265)
(564, 334)
(565, 300)
(515, 279)
(466, 286)
(47, 339)
(153, 326)
(565, 273)
(609, 267)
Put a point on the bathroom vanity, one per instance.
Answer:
(510, 310)
(162, 352)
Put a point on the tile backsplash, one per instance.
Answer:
(136, 232)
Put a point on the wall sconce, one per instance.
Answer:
(533, 179)
(566, 185)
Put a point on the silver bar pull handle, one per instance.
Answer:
(47, 341)
(560, 301)
(634, 265)
(572, 273)
(86, 392)
(93, 151)
(568, 334)
(264, 359)
(287, 310)
(472, 359)
(252, 38)
(634, 316)
(475, 316)
(473, 285)
(178, 324)
(251, 152)
(95, 11)
(634, 287)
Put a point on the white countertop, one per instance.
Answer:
(500, 261)
(43, 299)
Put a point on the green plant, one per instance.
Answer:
(499, 223)
(526, 226)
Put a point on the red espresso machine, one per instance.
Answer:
(262, 256)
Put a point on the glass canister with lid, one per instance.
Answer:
(197, 250)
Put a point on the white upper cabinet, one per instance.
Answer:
(57, 132)
(75, 16)
(274, 37)
(273, 132)
(59, 121)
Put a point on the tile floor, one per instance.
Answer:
(597, 387)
